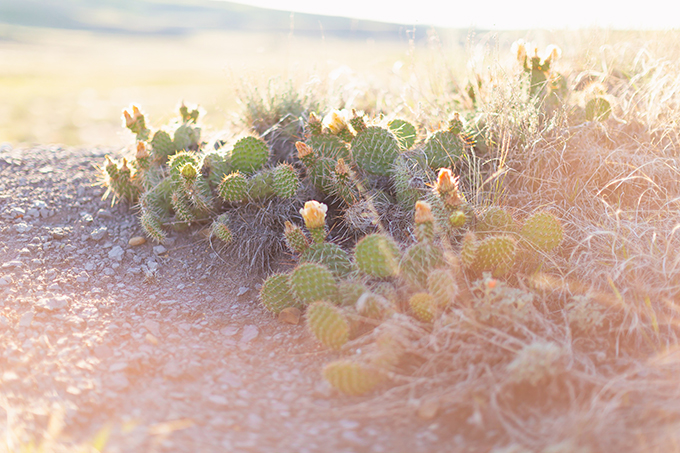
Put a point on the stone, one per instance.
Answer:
(59, 233)
(22, 227)
(250, 332)
(136, 241)
(5, 280)
(218, 400)
(159, 250)
(117, 253)
(52, 303)
(290, 315)
(99, 233)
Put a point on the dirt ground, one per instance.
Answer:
(165, 348)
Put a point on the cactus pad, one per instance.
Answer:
(443, 149)
(312, 282)
(351, 378)
(186, 137)
(405, 133)
(286, 181)
(375, 149)
(442, 286)
(249, 154)
(377, 255)
(276, 293)
(543, 230)
(220, 229)
(495, 254)
(418, 261)
(328, 324)
(162, 146)
(233, 188)
(423, 306)
(330, 255)
(329, 146)
(496, 220)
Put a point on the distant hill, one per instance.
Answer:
(183, 17)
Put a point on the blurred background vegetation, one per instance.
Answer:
(69, 67)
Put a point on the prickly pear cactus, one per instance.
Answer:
(543, 230)
(405, 132)
(330, 255)
(375, 149)
(220, 229)
(249, 155)
(443, 149)
(496, 220)
(285, 181)
(328, 324)
(377, 255)
(418, 261)
(233, 188)
(495, 254)
(276, 293)
(162, 146)
(351, 378)
(442, 285)
(312, 282)
(423, 306)
(598, 109)
(296, 241)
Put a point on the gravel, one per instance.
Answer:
(166, 345)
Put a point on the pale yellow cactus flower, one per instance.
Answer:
(314, 214)
(336, 121)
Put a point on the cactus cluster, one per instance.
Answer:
(366, 172)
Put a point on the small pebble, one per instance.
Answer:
(136, 241)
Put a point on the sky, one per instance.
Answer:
(496, 14)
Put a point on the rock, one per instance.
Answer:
(99, 233)
(118, 366)
(117, 253)
(52, 303)
(103, 351)
(173, 370)
(228, 331)
(290, 315)
(82, 277)
(104, 214)
(136, 241)
(59, 233)
(5, 280)
(151, 339)
(152, 326)
(118, 381)
(242, 290)
(250, 332)
(22, 227)
(26, 319)
(159, 250)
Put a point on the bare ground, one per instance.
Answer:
(164, 350)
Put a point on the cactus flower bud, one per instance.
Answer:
(303, 149)
(447, 188)
(423, 212)
(128, 118)
(341, 167)
(142, 152)
(314, 214)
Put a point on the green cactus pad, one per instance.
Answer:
(152, 225)
(496, 220)
(377, 255)
(374, 305)
(330, 255)
(187, 137)
(351, 378)
(162, 146)
(296, 240)
(249, 155)
(469, 249)
(404, 131)
(418, 261)
(543, 230)
(329, 146)
(598, 109)
(233, 188)
(286, 181)
(408, 180)
(457, 219)
(182, 206)
(276, 293)
(375, 149)
(312, 282)
(328, 324)
(179, 159)
(495, 254)
(443, 149)
(442, 286)
(220, 229)
(188, 171)
(423, 306)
